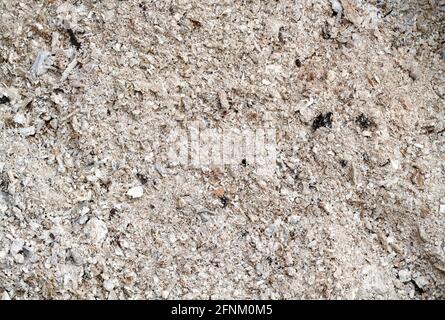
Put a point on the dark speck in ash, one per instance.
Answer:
(4, 99)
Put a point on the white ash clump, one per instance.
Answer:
(404, 276)
(136, 192)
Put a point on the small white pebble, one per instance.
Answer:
(442, 208)
(180, 203)
(136, 192)
(3, 203)
(336, 6)
(5, 296)
(330, 76)
(16, 246)
(83, 219)
(28, 131)
(223, 99)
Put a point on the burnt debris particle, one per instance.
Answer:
(244, 162)
(73, 39)
(364, 122)
(343, 163)
(322, 120)
(4, 99)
